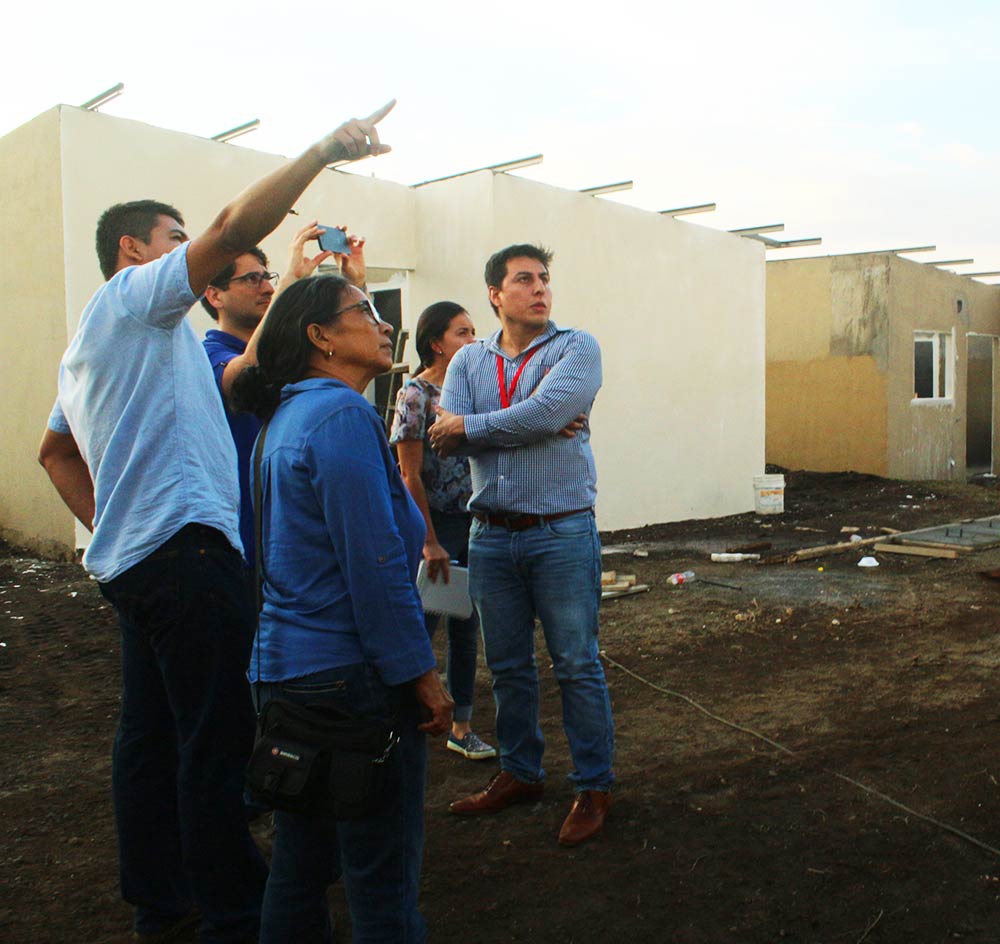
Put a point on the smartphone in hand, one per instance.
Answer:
(333, 240)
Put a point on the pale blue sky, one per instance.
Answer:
(870, 125)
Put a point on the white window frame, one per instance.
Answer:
(945, 359)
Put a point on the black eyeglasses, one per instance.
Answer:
(253, 279)
(366, 308)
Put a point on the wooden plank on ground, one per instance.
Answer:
(918, 550)
(942, 545)
(810, 553)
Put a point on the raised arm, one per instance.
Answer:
(60, 456)
(299, 266)
(263, 205)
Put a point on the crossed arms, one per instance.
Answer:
(557, 406)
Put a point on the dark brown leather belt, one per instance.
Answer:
(514, 522)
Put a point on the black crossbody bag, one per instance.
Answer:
(314, 759)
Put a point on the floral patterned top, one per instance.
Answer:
(446, 481)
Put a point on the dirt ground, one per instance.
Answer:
(885, 676)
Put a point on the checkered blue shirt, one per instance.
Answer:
(519, 463)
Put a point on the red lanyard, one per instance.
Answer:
(505, 394)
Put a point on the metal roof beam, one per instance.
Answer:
(688, 210)
(106, 96)
(500, 168)
(608, 188)
(236, 132)
(757, 230)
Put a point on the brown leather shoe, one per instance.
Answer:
(502, 791)
(586, 817)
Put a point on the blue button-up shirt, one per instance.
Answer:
(519, 462)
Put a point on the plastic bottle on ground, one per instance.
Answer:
(686, 577)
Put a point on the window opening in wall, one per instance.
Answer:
(932, 374)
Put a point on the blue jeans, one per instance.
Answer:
(185, 733)
(379, 856)
(552, 571)
(452, 532)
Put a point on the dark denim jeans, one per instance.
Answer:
(379, 856)
(552, 571)
(185, 733)
(463, 634)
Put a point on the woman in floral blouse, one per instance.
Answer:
(441, 489)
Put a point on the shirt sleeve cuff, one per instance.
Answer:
(476, 428)
(403, 667)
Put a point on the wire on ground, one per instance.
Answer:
(871, 791)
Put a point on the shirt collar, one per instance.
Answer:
(493, 341)
(224, 337)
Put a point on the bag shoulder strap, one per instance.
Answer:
(258, 532)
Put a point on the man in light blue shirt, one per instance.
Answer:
(138, 447)
(514, 403)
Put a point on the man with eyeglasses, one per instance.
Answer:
(138, 448)
(238, 299)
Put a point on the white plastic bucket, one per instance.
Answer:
(769, 494)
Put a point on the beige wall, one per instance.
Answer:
(31, 269)
(840, 332)
(827, 415)
(678, 308)
(826, 357)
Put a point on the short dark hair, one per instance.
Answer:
(496, 265)
(222, 280)
(137, 218)
(431, 326)
(284, 348)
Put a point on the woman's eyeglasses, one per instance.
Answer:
(365, 307)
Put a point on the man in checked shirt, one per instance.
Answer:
(513, 403)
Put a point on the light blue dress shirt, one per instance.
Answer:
(519, 463)
(137, 394)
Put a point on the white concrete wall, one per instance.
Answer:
(678, 428)
(34, 336)
(678, 308)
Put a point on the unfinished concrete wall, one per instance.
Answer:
(840, 373)
(31, 269)
(827, 357)
(927, 438)
(677, 309)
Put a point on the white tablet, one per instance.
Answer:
(448, 599)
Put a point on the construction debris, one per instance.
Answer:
(961, 537)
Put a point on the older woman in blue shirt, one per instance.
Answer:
(341, 622)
